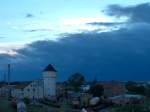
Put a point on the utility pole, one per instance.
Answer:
(5, 78)
(8, 74)
(9, 89)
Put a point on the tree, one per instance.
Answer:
(26, 100)
(135, 88)
(97, 90)
(147, 101)
(94, 81)
(147, 91)
(76, 80)
(64, 106)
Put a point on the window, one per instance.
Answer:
(33, 89)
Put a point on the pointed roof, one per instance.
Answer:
(49, 68)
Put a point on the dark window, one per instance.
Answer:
(33, 89)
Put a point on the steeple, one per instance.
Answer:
(49, 68)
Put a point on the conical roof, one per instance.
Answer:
(50, 68)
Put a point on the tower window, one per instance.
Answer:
(33, 89)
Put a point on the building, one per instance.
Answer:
(5, 90)
(127, 99)
(49, 81)
(45, 87)
(31, 90)
(85, 87)
(113, 88)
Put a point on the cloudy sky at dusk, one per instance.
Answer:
(109, 39)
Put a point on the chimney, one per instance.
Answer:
(8, 74)
(5, 80)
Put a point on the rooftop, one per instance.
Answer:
(50, 68)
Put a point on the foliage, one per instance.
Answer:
(133, 87)
(147, 91)
(129, 108)
(34, 108)
(26, 100)
(96, 90)
(75, 81)
(64, 106)
(50, 103)
(6, 106)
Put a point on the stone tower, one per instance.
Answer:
(49, 80)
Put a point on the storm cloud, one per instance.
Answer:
(122, 54)
(137, 13)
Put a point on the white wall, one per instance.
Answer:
(33, 90)
(49, 79)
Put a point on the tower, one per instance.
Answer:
(49, 80)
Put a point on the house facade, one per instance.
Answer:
(45, 87)
(127, 99)
(32, 90)
(113, 88)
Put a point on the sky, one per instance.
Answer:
(103, 38)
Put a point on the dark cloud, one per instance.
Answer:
(138, 13)
(29, 15)
(38, 30)
(121, 54)
(105, 23)
(109, 25)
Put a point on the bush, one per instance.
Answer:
(96, 90)
(26, 100)
(14, 104)
(128, 108)
(47, 102)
